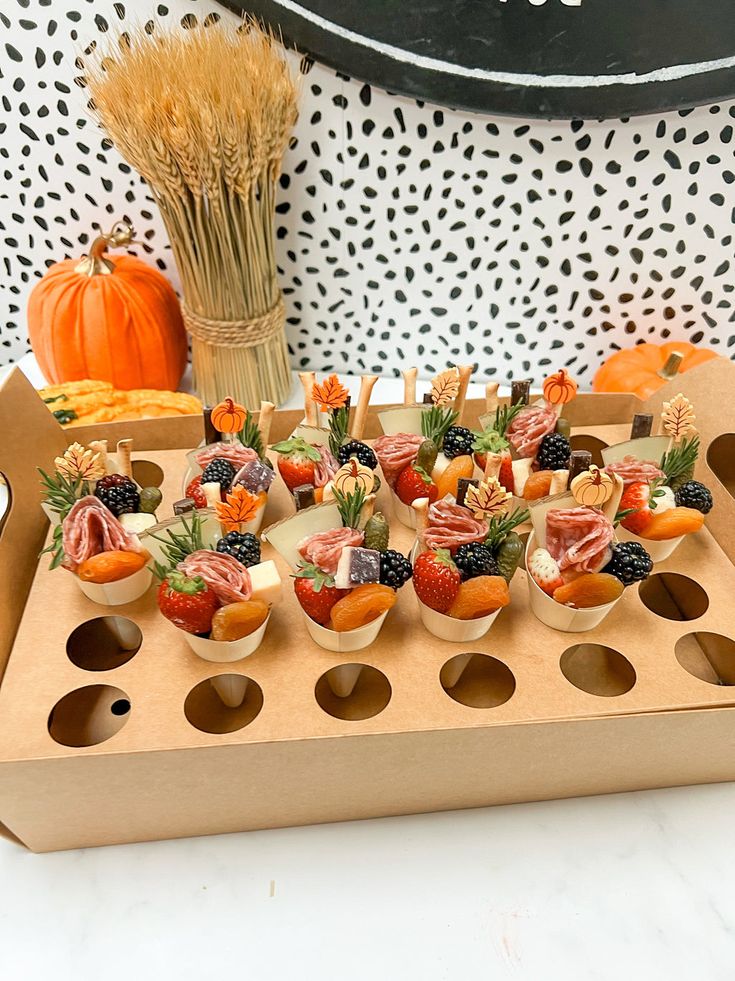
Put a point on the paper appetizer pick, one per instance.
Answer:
(409, 385)
(367, 383)
(228, 417)
(124, 452)
(239, 508)
(80, 463)
(330, 394)
(352, 475)
(308, 380)
(488, 499)
(445, 387)
(559, 388)
(678, 417)
(593, 487)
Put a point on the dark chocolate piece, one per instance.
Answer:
(463, 484)
(642, 425)
(520, 391)
(563, 427)
(211, 435)
(304, 496)
(579, 461)
(427, 399)
(185, 505)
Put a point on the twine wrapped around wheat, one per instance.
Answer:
(204, 115)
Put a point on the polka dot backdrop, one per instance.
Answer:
(407, 233)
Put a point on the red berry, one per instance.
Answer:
(636, 496)
(188, 603)
(195, 492)
(505, 477)
(316, 592)
(414, 482)
(436, 579)
(296, 461)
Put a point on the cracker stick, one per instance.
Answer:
(421, 507)
(367, 383)
(464, 371)
(492, 465)
(308, 380)
(491, 396)
(265, 420)
(124, 450)
(409, 385)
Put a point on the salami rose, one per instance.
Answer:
(325, 468)
(451, 525)
(228, 579)
(90, 528)
(529, 427)
(325, 547)
(631, 470)
(579, 538)
(395, 453)
(236, 453)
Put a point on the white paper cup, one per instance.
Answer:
(344, 640)
(657, 550)
(343, 678)
(120, 592)
(451, 628)
(404, 512)
(226, 651)
(558, 616)
(231, 688)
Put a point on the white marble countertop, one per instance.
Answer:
(627, 886)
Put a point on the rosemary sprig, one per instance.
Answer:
(504, 416)
(680, 459)
(350, 506)
(339, 420)
(250, 436)
(61, 494)
(176, 546)
(436, 421)
(502, 524)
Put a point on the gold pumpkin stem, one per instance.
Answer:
(95, 263)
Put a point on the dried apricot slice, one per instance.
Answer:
(237, 620)
(446, 482)
(589, 589)
(672, 524)
(111, 566)
(538, 485)
(479, 597)
(361, 605)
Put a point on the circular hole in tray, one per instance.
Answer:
(721, 459)
(88, 716)
(146, 473)
(103, 643)
(597, 669)
(206, 711)
(484, 682)
(673, 596)
(583, 441)
(368, 697)
(709, 657)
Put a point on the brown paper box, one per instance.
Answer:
(519, 727)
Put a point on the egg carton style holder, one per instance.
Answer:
(110, 731)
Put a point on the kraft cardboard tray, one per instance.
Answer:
(645, 700)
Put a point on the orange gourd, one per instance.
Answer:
(643, 369)
(228, 417)
(115, 321)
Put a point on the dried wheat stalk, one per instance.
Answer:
(204, 115)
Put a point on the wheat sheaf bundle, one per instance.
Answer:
(205, 115)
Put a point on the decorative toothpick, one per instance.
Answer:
(445, 387)
(487, 499)
(678, 417)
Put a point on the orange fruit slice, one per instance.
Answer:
(361, 605)
(111, 566)
(538, 485)
(460, 466)
(672, 524)
(237, 620)
(589, 589)
(479, 597)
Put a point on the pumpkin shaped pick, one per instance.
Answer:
(593, 487)
(559, 388)
(113, 320)
(228, 417)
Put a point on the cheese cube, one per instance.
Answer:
(266, 582)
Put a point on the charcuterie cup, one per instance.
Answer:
(344, 640)
(120, 592)
(557, 615)
(452, 629)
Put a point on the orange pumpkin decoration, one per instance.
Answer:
(559, 388)
(643, 369)
(118, 322)
(228, 417)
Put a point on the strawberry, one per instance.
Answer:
(188, 603)
(492, 442)
(414, 482)
(296, 459)
(316, 592)
(436, 579)
(544, 570)
(645, 501)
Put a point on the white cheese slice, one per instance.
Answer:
(644, 448)
(521, 473)
(442, 462)
(137, 522)
(266, 582)
(406, 419)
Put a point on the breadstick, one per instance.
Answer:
(464, 371)
(492, 465)
(421, 507)
(124, 450)
(491, 396)
(308, 380)
(409, 386)
(265, 420)
(367, 382)
(559, 481)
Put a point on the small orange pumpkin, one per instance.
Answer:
(228, 416)
(643, 369)
(118, 322)
(559, 388)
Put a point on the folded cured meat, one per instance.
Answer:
(326, 467)
(228, 579)
(529, 427)
(236, 453)
(451, 525)
(396, 452)
(631, 470)
(90, 528)
(579, 538)
(325, 547)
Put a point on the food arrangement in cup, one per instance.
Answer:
(98, 512)
(233, 461)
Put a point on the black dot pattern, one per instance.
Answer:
(407, 233)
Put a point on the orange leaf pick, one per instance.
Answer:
(240, 507)
(330, 394)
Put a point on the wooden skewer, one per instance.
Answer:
(265, 420)
(124, 451)
(367, 383)
(409, 386)
(491, 396)
(308, 380)
(465, 372)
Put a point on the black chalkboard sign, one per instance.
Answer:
(539, 58)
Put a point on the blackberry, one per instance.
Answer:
(692, 494)
(243, 547)
(362, 451)
(630, 563)
(219, 471)
(395, 569)
(119, 494)
(475, 559)
(553, 453)
(458, 442)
